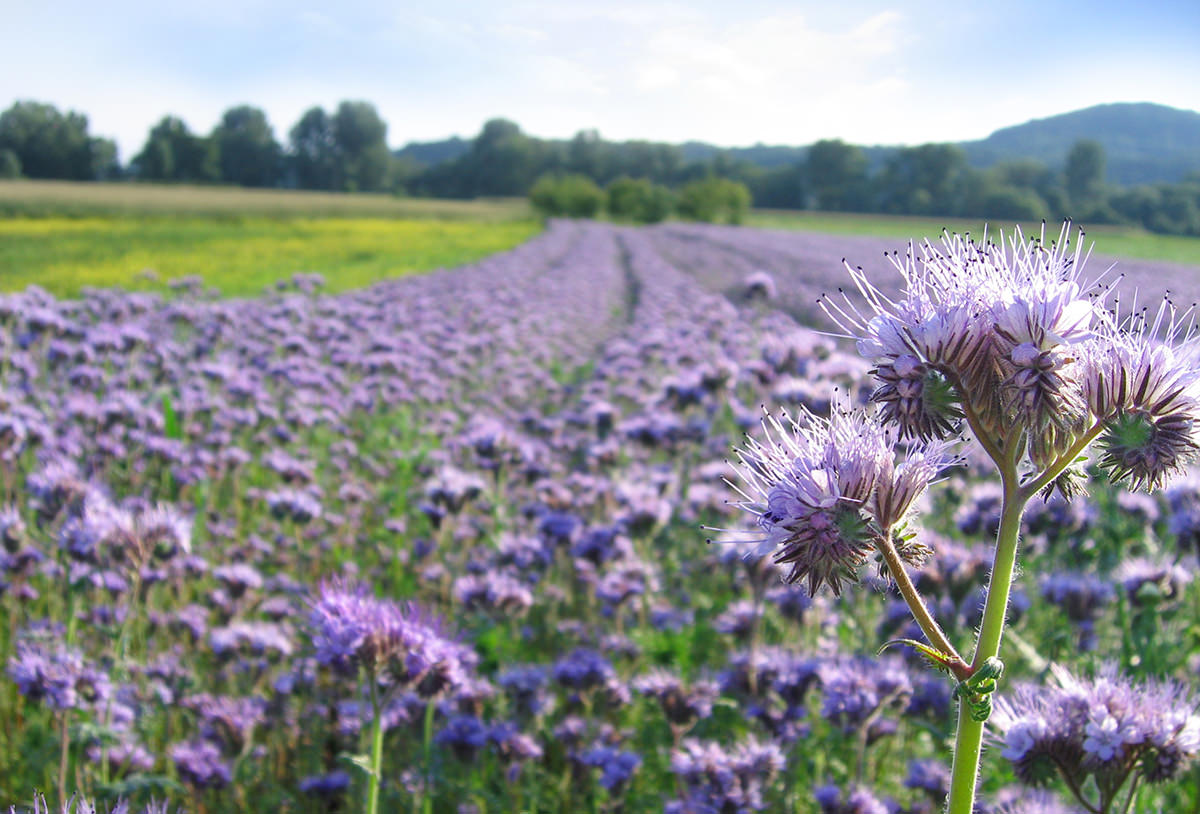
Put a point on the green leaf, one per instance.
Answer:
(943, 661)
(171, 426)
(361, 761)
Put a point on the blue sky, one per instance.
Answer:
(779, 73)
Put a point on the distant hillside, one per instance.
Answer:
(429, 153)
(1143, 142)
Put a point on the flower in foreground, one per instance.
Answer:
(824, 491)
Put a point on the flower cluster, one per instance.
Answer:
(1105, 728)
(1010, 337)
(351, 628)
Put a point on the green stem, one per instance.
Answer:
(969, 739)
(427, 800)
(376, 748)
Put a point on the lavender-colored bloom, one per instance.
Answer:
(57, 675)
(1103, 726)
(238, 578)
(330, 784)
(858, 801)
(725, 779)
(617, 767)
(854, 688)
(1144, 578)
(929, 776)
(351, 627)
(1146, 391)
(526, 687)
(465, 735)
(200, 764)
(583, 669)
(808, 488)
(682, 706)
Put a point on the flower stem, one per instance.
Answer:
(969, 739)
(916, 605)
(376, 749)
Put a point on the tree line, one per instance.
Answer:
(345, 149)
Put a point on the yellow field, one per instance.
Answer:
(239, 257)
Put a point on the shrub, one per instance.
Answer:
(639, 200)
(714, 200)
(573, 196)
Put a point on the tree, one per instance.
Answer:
(174, 153)
(246, 148)
(924, 180)
(361, 139)
(588, 155)
(50, 144)
(314, 151)
(714, 200)
(837, 175)
(10, 165)
(1084, 172)
(502, 159)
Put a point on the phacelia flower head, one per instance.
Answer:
(985, 326)
(351, 627)
(1106, 727)
(1145, 388)
(824, 490)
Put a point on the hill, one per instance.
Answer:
(1143, 142)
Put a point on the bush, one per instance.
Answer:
(639, 200)
(714, 200)
(573, 196)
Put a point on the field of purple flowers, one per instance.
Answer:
(220, 518)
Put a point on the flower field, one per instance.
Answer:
(441, 545)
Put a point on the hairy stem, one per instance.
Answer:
(969, 739)
(916, 605)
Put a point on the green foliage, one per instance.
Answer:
(1084, 172)
(247, 151)
(925, 180)
(174, 153)
(714, 200)
(639, 200)
(570, 195)
(360, 136)
(837, 173)
(51, 144)
(10, 165)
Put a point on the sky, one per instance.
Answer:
(732, 74)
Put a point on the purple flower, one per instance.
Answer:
(1105, 726)
(58, 675)
(200, 764)
(583, 669)
(352, 627)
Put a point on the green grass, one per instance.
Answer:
(81, 199)
(240, 256)
(1117, 241)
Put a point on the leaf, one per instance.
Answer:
(943, 661)
(361, 761)
(171, 426)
